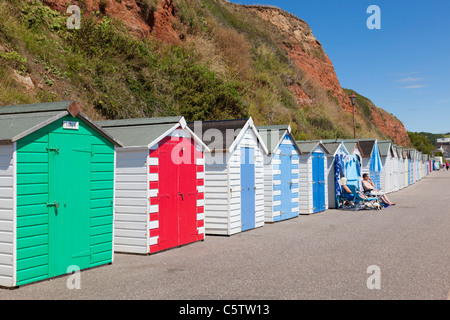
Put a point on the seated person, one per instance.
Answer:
(369, 189)
(346, 189)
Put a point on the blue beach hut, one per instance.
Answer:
(280, 173)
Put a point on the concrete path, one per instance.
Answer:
(324, 256)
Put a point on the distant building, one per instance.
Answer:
(442, 141)
(443, 145)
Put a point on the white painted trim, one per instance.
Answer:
(228, 196)
(197, 139)
(14, 249)
(341, 148)
(279, 141)
(149, 194)
(241, 135)
(162, 136)
(114, 204)
(183, 123)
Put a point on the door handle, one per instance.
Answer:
(182, 195)
(53, 150)
(54, 204)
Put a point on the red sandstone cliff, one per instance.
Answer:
(156, 19)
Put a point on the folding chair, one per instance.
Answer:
(354, 200)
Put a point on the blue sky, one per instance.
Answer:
(403, 68)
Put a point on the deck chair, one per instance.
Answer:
(354, 201)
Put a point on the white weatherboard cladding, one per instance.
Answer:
(131, 199)
(7, 215)
(384, 163)
(385, 180)
(424, 169)
(269, 171)
(268, 189)
(393, 176)
(217, 194)
(396, 177)
(401, 168)
(223, 188)
(406, 174)
(234, 166)
(331, 192)
(305, 183)
(414, 170)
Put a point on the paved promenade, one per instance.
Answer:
(324, 256)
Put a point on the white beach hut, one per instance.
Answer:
(234, 175)
(280, 173)
(313, 182)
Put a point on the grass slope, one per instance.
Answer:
(231, 65)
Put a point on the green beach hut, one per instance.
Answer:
(56, 192)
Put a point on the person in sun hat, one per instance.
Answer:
(370, 191)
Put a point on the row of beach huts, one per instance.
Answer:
(74, 191)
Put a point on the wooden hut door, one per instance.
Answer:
(286, 183)
(318, 174)
(187, 197)
(248, 211)
(177, 193)
(168, 197)
(69, 202)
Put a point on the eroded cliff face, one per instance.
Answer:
(157, 19)
(390, 126)
(142, 17)
(307, 53)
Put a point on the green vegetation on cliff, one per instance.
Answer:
(231, 64)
